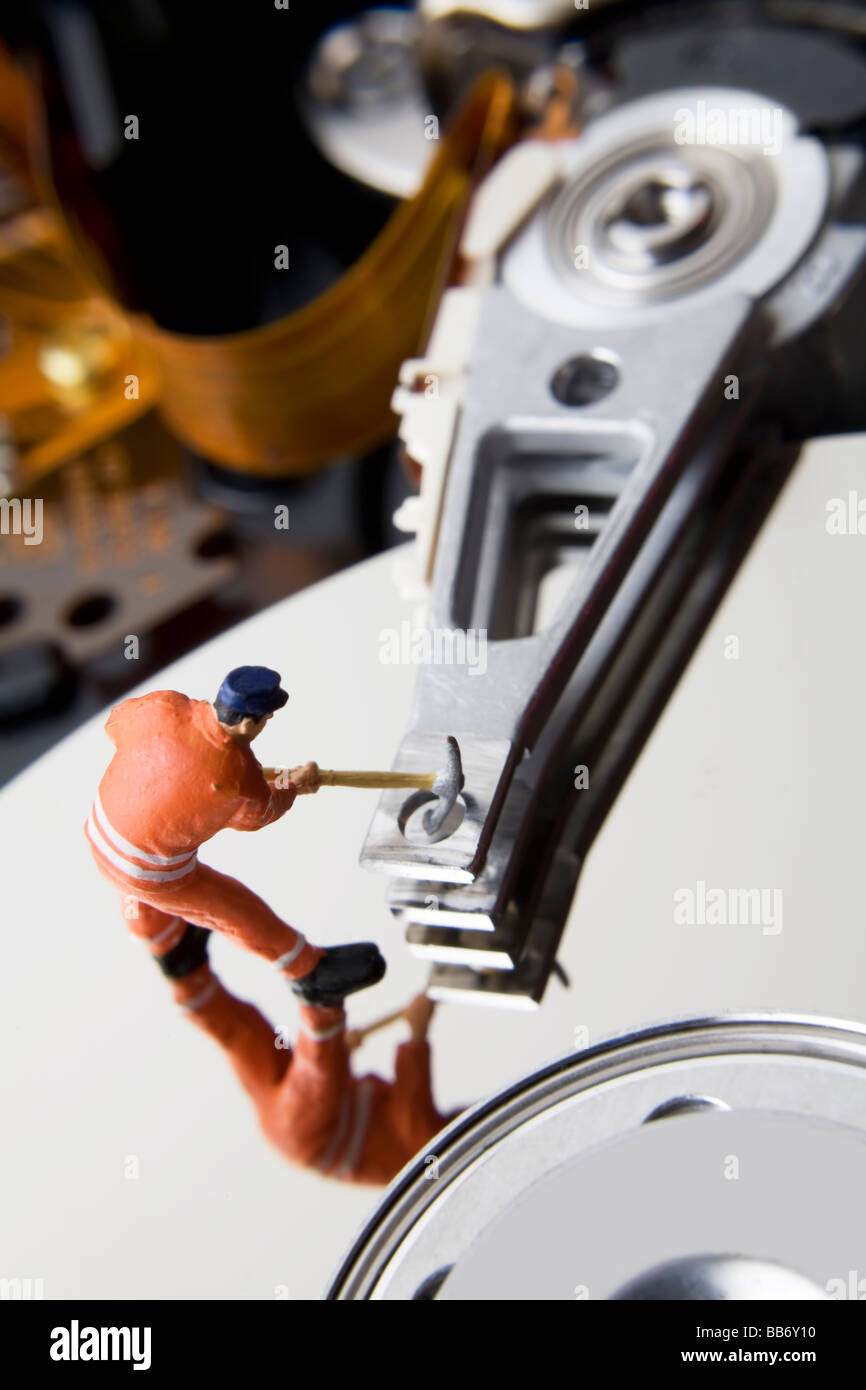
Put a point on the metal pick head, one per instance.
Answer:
(447, 787)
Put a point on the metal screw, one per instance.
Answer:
(660, 219)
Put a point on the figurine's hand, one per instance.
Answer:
(306, 779)
(418, 1013)
(354, 1038)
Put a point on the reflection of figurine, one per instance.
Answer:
(183, 770)
(309, 1104)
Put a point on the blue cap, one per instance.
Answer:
(253, 691)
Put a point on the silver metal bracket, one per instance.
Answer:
(608, 465)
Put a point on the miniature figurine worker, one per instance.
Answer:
(310, 1105)
(183, 770)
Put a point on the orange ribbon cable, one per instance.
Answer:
(289, 396)
(284, 398)
(69, 355)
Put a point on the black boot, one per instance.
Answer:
(189, 953)
(341, 971)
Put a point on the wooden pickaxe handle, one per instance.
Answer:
(331, 777)
(380, 1023)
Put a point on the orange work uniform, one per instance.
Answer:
(309, 1104)
(177, 778)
